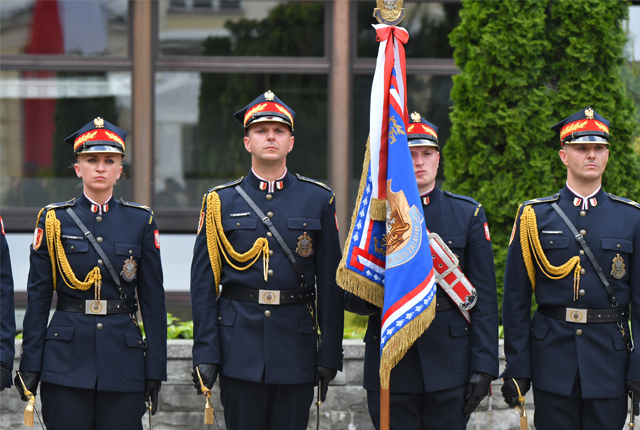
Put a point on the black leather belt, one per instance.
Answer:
(127, 306)
(444, 304)
(585, 316)
(269, 297)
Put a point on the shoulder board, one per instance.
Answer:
(313, 181)
(61, 204)
(136, 205)
(458, 196)
(623, 200)
(552, 198)
(230, 184)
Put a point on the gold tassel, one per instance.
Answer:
(378, 209)
(28, 410)
(208, 406)
(524, 425)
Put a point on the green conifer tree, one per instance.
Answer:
(525, 66)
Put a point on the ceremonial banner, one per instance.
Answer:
(387, 258)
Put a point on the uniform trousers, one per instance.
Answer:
(439, 410)
(555, 412)
(66, 408)
(259, 406)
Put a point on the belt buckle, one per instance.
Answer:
(269, 297)
(95, 307)
(576, 315)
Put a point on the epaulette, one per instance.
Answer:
(61, 204)
(313, 181)
(623, 200)
(458, 196)
(552, 198)
(230, 184)
(136, 205)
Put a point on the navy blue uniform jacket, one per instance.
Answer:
(450, 348)
(549, 350)
(73, 351)
(280, 348)
(7, 314)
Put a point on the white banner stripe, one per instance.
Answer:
(411, 303)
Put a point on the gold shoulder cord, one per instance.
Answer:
(216, 239)
(529, 240)
(59, 258)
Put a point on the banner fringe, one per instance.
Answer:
(400, 343)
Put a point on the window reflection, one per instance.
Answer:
(428, 24)
(241, 28)
(90, 27)
(198, 142)
(38, 110)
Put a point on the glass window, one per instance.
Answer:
(90, 27)
(38, 110)
(428, 24)
(428, 95)
(241, 28)
(198, 142)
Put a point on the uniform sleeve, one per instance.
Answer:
(480, 271)
(330, 296)
(516, 311)
(633, 373)
(357, 305)
(206, 334)
(152, 303)
(7, 313)
(39, 292)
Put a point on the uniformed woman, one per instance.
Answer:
(102, 257)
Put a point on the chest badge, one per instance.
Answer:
(129, 270)
(617, 268)
(304, 246)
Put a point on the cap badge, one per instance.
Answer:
(304, 246)
(98, 122)
(129, 270)
(415, 117)
(588, 112)
(269, 96)
(617, 268)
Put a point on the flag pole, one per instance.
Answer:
(385, 407)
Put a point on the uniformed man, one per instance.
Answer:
(577, 250)
(448, 370)
(7, 314)
(271, 240)
(102, 257)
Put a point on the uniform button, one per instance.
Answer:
(267, 313)
(618, 245)
(55, 335)
(130, 252)
(582, 252)
(583, 213)
(304, 224)
(139, 342)
(583, 271)
(99, 240)
(73, 247)
(551, 242)
(98, 219)
(269, 234)
(219, 318)
(238, 224)
(99, 326)
(270, 214)
(450, 243)
(270, 272)
(582, 292)
(269, 196)
(100, 262)
(583, 232)
(579, 332)
(271, 253)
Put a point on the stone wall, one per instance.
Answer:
(345, 408)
